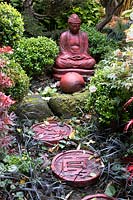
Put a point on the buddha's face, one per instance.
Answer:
(74, 27)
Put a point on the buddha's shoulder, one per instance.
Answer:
(64, 34)
(83, 33)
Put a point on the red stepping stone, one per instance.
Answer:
(77, 167)
(51, 132)
(98, 197)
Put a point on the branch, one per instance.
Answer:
(27, 3)
(118, 5)
(109, 12)
(39, 16)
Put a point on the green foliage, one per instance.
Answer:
(20, 80)
(33, 27)
(53, 11)
(11, 25)
(111, 87)
(48, 91)
(56, 13)
(110, 190)
(22, 163)
(98, 43)
(127, 13)
(89, 12)
(36, 55)
(17, 4)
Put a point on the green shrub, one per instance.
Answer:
(111, 87)
(36, 55)
(57, 12)
(11, 25)
(20, 80)
(89, 11)
(98, 43)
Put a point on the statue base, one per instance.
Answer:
(85, 73)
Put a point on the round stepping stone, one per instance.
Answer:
(77, 167)
(51, 132)
(98, 197)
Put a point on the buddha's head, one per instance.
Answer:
(74, 23)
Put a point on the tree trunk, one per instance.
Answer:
(27, 6)
(111, 7)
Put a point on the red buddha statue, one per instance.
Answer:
(73, 56)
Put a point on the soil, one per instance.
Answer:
(41, 82)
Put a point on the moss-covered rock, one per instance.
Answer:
(33, 107)
(61, 105)
(66, 105)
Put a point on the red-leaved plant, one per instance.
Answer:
(6, 49)
(6, 119)
(129, 159)
(130, 123)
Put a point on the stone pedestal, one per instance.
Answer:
(85, 73)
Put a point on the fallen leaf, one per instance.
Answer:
(79, 146)
(72, 135)
(68, 195)
(93, 174)
(54, 149)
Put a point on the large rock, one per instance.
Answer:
(68, 105)
(33, 107)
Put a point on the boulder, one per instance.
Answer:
(33, 107)
(68, 105)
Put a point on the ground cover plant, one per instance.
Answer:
(25, 169)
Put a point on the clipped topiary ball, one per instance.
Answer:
(36, 55)
(11, 25)
(72, 82)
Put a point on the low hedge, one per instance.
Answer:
(36, 55)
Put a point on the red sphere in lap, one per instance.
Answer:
(72, 82)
